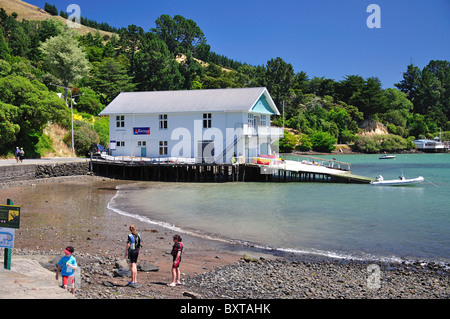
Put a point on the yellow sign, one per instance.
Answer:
(9, 216)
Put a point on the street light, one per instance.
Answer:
(71, 110)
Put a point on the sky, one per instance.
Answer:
(324, 38)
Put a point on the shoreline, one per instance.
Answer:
(100, 238)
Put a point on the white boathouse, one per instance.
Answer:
(212, 125)
(431, 145)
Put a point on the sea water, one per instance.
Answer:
(349, 221)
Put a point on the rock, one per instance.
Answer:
(146, 266)
(122, 272)
(122, 263)
(114, 283)
(192, 295)
(249, 258)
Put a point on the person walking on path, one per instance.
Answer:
(132, 252)
(21, 155)
(17, 154)
(67, 265)
(177, 249)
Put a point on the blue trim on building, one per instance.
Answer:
(262, 106)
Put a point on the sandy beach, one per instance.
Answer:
(73, 211)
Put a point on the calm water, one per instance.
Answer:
(338, 220)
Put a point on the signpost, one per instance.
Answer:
(9, 220)
(9, 215)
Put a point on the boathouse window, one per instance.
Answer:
(206, 120)
(263, 120)
(251, 120)
(120, 121)
(142, 143)
(162, 147)
(120, 143)
(163, 121)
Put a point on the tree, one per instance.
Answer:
(191, 71)
(8, 125)
(88, 101)
(130, 39)
(156, 68)
(109, 78)
(428, 92)
(181, 35)
(27, 107)
(65, 59)
(51, 9)
(279, 76)
(351, 85)
(370, 99)
(4, 49)
(410, 82)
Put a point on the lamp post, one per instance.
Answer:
(71, 111)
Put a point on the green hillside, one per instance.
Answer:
(174, 55)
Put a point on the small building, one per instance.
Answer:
(210, 125)
(430, 145)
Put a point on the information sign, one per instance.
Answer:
(141, 130)
(9, 216)
(7, 238)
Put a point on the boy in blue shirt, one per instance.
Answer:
(67, 266)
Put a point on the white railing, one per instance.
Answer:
(250, 130)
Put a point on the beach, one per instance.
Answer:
(73, 211)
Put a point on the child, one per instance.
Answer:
(67, 266)
(132, 251)
(177, 249)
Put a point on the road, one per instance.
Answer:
(49, 160)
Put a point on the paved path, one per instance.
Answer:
(50, 160)
(27, 279)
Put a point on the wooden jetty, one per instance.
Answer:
(287, 171)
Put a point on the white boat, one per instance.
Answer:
(386, 157)
(401, 181)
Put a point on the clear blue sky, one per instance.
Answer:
(328, 38)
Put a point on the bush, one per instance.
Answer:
(323, 142)
(382, 143)
(44, 145)
(305, 144)
(288, 142)
(84, 137)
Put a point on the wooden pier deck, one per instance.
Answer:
(288, 171)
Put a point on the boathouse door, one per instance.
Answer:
(206, 151)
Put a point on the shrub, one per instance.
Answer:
(382, 143)
(288, 142)
(304, 143)
(323, 142)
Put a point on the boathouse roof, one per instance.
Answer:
(256, 100)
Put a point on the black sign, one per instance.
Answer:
(9, 216)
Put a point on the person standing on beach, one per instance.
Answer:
(132, 251)
(67, 265)
(177, 249)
